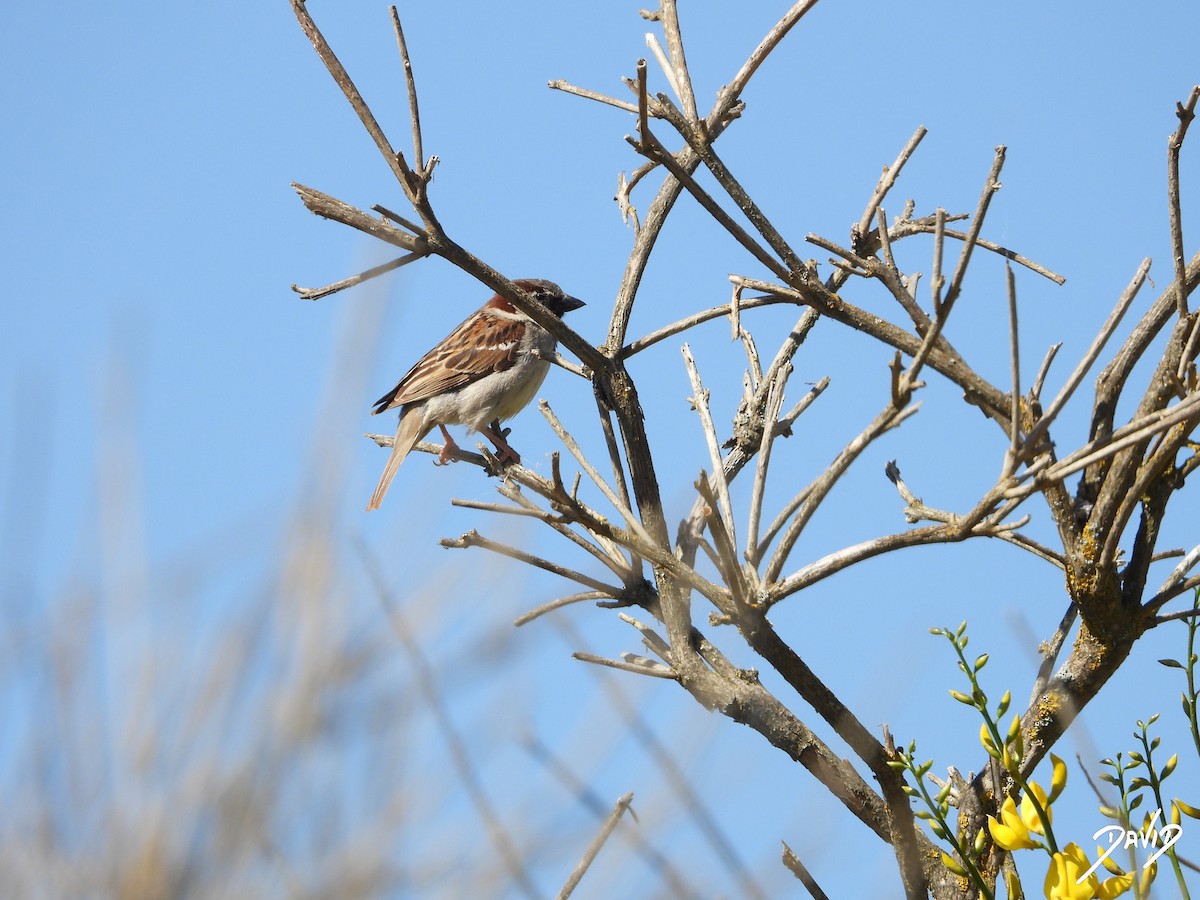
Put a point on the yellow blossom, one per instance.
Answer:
(1066, 869)
(1029, 812)
(1010, 832)
(1058, 779)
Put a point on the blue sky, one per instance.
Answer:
(155, 362)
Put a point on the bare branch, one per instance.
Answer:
(805, 503)
(1015, 363)
(638, 667)
(682, 80)
(699, 402)
(409, 181)
(701, 144)
(331, 208)
(784, 425)
(473, 538)
(792, 861)
(414, 113)
(770, 417)
(539, 611)
(696, 319)
(886, 181)
(1186, 565)
(739, 81)
(904, 228)
(460, 758)
(942, 308)
(725, 558)
(1035, 392)
(593, 849)
(1139, 430)
(568, 88)
(1050, 652)
(1185, 112)
(572, 446)
(1110, 325)
(375, 272)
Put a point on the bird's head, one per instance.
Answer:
(550, 295)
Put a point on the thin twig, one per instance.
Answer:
(1050, 653)
(652, 148)
(886, 181)
(398, 219)
(699, 401)
(410, 85)
(318, 293)
(1103, 447)
(656, 670)
(395, 160)
(573, 447)
(1035, 392)
(538, 611)
(770, 417)
(1015, 363)
(810, 498)
(937, 280)
(605, 549)
(903, 290)
(473, 538)
(785, 423)
(614, 458)
(792, 861)
(1185, 112)
(701, 144)
(594, 848)
(917, 226)
(608, 554)
(683, 77)
(696, 319)
(725, 558)
(665, 64)
(557, 359)
(328, 207)
(942, 308)
(738, 83)
(650, 637)
(568, 88)
(1110, 325)
(1186, 564)
(467, 773)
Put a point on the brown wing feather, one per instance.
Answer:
(458, 360)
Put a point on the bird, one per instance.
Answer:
(482, 373)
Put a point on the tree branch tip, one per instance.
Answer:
(654, 669)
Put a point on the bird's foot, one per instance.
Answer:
(446, 454)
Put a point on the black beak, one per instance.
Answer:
(568, 303)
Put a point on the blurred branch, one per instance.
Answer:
(466, 770)
(622, 806)
(792, 861)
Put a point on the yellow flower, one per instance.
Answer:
(1029, 812)
(1063, 878)
(1011, 832)
(1058, 779)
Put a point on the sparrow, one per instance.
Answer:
(485, 371)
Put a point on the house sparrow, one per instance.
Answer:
(485, 371)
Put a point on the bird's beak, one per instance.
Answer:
(569, 303)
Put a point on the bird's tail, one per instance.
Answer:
(411, 429)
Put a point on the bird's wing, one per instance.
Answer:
(479, 346)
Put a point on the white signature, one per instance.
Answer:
(1122, 837)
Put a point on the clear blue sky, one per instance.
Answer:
(154, 361)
